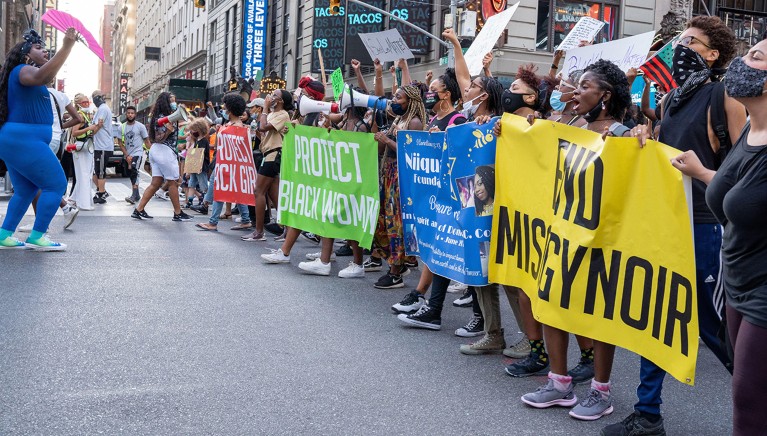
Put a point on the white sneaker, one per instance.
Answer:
(162, 195)
(317, 255)
(238, 219)
(352, 271)
(316, 267)
(70, 213)
(276, 256)
(25, 228)
(456, 287)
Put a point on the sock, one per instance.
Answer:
(5, 234)
(587, 354)
(35, 235)
(537, 348)
(603, 388)
(562, 383)
(135, 193)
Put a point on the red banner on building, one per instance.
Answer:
(235, 171)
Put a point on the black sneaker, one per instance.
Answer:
(131, 200)
(98, 199)
(273, 228)
(413, 264)
(188, 205)
(389, 281)
(475, 327)
(532, 365)
(410, 304)
(635, 425)
(426, 318)
(140, 215)
(405, 271)
(373, 264)
(312, 237)
(583, 371)
(200, 208)
(181, 216)
(465, 300)
(344, 251)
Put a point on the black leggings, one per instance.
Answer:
(439, 291)
(749, 380)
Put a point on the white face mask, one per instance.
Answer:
(469, 109)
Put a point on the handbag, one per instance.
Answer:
(194, 160)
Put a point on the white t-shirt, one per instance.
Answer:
(103, 139)
(63, 102)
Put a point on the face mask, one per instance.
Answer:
(687, 62)
(470, 109)
(224, 114)
(430, 99)
(556, 101)
(511, 102)
(98, 101)
(743, 81)
(593, 114)
(397, 109)
(173, 106)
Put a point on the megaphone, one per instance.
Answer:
(179, 115)
(362, 100)
(309, 106)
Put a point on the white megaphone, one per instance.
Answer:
(179, 115)
(309, 106)
(362, 100)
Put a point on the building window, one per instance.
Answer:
(300, 22)
(235, 22)
(557, 17)
(299, 67)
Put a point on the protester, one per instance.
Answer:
(25, 124)
(133, 138)
(103, 145)
(82, 155)
(737, 197)
(197, 137)
(701, 53)
(163, 158)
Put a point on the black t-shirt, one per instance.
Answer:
(737, 196)
(205, 145)
(444, 123)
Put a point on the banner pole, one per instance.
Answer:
(322, 68)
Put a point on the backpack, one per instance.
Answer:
(718, 118)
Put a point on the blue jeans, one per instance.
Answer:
(708, 243)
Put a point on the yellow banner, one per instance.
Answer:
(598, 234)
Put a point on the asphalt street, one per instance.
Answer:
(153, 327)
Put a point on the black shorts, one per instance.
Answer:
(100, 161)
(269, 169)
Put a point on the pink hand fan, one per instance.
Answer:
(63, 21)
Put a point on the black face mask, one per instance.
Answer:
(98, 100)
(688, 64)
(593, 114)
(430, 100)
(511, 101)
(743, 81)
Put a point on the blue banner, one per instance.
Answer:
(447, 214)
(254, 37)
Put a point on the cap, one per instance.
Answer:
(256, 102)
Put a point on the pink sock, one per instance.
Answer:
(603, 388)
(562, 383)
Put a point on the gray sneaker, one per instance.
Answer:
(583, 372)
(548, 395)
(593, 407)
(520, 350)
(490, 343)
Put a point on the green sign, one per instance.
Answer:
(337, 80)
(329, 183)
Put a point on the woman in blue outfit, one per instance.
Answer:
(25, 132)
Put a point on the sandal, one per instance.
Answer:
(225, 216)
(208, 227)
(245, 226)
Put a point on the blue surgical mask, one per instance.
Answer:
(224, 114)
(556, 101)
(173, 106)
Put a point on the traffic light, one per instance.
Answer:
(335, 7)
(199, 3)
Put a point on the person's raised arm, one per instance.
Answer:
(394, 85)
(405, 72)
(555, 59)
(358, 72)
(44, 75)
(76, 118)
(378, 88)
(462, 73)
(646, 109)
(487, 60)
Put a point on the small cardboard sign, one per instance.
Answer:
(585, 30)
(386, 46)
(337, 80)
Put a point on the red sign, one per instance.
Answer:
(60, 85)
(188, 74)
(235, 170)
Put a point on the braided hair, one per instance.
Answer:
(494, 91)
(450, 82)
(613, 79)
(14, 58)
(415, 107)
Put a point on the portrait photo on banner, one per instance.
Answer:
(478, 190)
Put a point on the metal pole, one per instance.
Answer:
(411, 25)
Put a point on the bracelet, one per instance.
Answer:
(554, 67)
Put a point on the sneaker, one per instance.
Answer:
(70, 213)
(389, 281)
(520, 350)
(456, 287)
(316, 267)
(181, 216)
(276, 256)
(426, 318)
(411, 264)
(593, 407)
(635, 425)
(254, 237)
(44, 244)
(344, 251)
(532, 365)
(312, 237)
(582, 372)
(352, 271)
(313, 256)
(373, 264)
(98, 199)
(490, 343)
(282, 236)
(475, 327)
(162, 195)
(131, 200)
(105, 195)
(187, 205)
(465, 300)
(26, 228)
(547, 396)
(405, 271)
(11, 243)
(200, 208)
(273, 228)
(412, 302)
(140, 215)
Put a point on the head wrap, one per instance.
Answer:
(313, 88)
(31, 37)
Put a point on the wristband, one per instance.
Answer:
(554, 67)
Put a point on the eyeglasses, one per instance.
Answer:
(687, 40)
(474, 85)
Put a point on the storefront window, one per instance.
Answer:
(557, 17)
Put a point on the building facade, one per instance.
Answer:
(225, 22)
(18, 16)
(105, 68)
(123, 54)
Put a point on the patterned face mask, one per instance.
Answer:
(743, 81)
